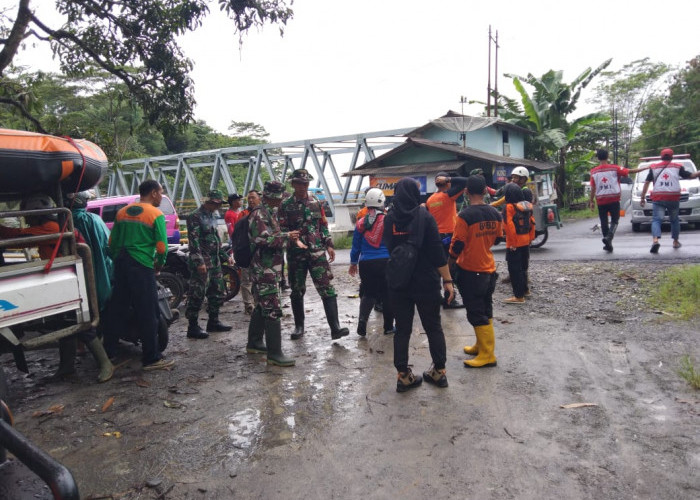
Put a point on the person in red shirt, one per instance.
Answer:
(442, 205)
(233, 213)
(605, 192)
(477, 229)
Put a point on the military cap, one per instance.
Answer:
(273, 189)
(214, 196)
(301, 175)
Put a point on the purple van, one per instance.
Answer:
(107, 209)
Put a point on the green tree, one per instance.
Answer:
(624, 94)
(546, 113)
(672, 120)
(117, 35)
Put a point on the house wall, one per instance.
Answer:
(489, 139)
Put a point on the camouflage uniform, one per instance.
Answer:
(267, 242)
(204, 248)
(307, 216)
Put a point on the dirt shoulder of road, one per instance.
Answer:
(223, 424)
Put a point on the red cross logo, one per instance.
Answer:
(665, 176)
(605, 180)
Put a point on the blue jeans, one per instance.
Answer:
(660, 208)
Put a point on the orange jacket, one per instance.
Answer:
(513, 239)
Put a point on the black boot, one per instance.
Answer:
(366, 304)
(609, 237)
(194, 331)
(214, 325)
(298, 311)
(256, 332)
(273, 339)
(67, 348)
(330, 305)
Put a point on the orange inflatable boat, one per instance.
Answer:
(31, 162)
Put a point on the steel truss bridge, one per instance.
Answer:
(183, 176)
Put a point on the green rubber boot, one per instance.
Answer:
(106, 367)
(273, 339)
(256, 332)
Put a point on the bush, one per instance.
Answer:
(677, 291)
(688, 373)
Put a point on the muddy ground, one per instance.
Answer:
(223, 424)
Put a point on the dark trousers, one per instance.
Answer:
(134, 288)
(477, 291)
(518, 263)
(373, 286)
(603, 210)
(404, 306)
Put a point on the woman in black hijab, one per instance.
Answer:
(423, 291)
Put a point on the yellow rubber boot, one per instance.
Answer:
(472, 350)
(486, 342)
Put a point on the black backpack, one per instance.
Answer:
(521, 220)
(240, 241)
(403, 258)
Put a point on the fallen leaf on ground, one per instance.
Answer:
(53, 410)
(577, 405)
(107, 404)
(169, 404)
(115, 434)
(142, 383)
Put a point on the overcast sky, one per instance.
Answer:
(351, 66)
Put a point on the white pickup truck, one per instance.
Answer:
(35, 300)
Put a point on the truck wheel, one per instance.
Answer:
(636, 227)
(163, 335)
(540, 239)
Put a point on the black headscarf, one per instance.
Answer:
(406, 202)
(513, 193)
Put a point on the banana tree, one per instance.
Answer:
(545, 112)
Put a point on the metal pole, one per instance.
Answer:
(488, 87)
(495, 90)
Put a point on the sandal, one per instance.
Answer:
(676, 244)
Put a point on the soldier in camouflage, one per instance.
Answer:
(267, 244)
(205, 258)
(303, 212)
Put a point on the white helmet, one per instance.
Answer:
(375, 198)
(521, 171)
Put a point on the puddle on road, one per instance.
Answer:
(244, 431)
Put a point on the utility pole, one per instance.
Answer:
(493, 41)
(488, 85)
(614, 117)
(463, 134)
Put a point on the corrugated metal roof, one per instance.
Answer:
(461, 155)
(413, 168)
(450, 114)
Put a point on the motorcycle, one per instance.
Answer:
(175, 275)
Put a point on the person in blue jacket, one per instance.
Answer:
(372, 255)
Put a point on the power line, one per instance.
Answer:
(671, 146)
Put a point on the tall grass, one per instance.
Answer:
(688, 372)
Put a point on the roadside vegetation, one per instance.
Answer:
(677, 292)
(688, 372)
